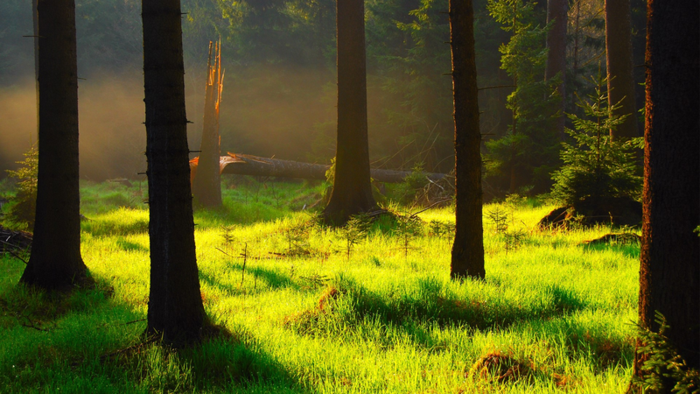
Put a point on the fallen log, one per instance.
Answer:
(241, 164)
(14, 240)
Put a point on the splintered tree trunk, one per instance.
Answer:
(175, 308)
(207, 182)
(468, 248)
(55, 261)
(670, 254)
(618, 46)
(556, 58)
(352, 191)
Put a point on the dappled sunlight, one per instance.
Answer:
(299, 301)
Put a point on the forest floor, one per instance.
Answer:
(311, 312)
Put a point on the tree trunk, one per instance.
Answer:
(618, 46)
(352, 191)
(670, 254)
(468, 248)
(55, 261)
(556, 57)
(175, 308)
(260, 166)
(35, 25)
(206, 186)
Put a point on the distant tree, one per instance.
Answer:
(468, 247)
(618, 44)
(406, 47)
(175, 308)
(596, 166)
(352, 191)
(55, 261)
(557, 12)
(206, 186)
(670, 253)
(529, 151)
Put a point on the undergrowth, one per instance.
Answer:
(327, 310)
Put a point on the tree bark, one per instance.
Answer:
(55, 261)
(618, 46)
(206, 186)
(468, 247)
(670, 253)
(260, 166)
(175, 308)
(556, 57)
(352, 191)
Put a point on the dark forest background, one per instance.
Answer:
(279, 91)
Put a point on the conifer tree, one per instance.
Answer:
(175, 308)
(55, 261)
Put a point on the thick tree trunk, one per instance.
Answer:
(241, 164)
(352, 191)
(468, 248)
(670, 254)
(556, 57)
(175, 308)
(206, 186)
(35, 25)
(55, 261)
(618, 45)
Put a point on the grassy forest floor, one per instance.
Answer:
(308, 316)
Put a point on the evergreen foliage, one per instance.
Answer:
(663, 361)
(355, 230)
(22, 209)
(407, 51)
(530, 147)
(597, 166)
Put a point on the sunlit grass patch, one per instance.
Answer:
(308, 314)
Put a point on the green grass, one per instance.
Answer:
(306, 318)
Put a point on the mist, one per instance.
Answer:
(112, 136)
(266, 112)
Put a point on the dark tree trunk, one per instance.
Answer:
(468, 248)
(670, 254)
(556, 57)
(55, 261)
(175, 308)
(207, 184)
(352, 191)
(35, 24)
(618, 46)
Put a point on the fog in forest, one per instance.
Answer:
(280, 91)
(277, 115)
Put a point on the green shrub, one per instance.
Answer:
(411, 188)
(597, 165)
(663, 361)
(22, 207)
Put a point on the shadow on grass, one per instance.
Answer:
(43, 333)
(117, 225)
(595, 342)
(36, 309)
(628, 250)
(269, 280)
(234, 363)
(129, 246)
(236, 212)
(352, 305)
(222, 363)
(85, 341)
